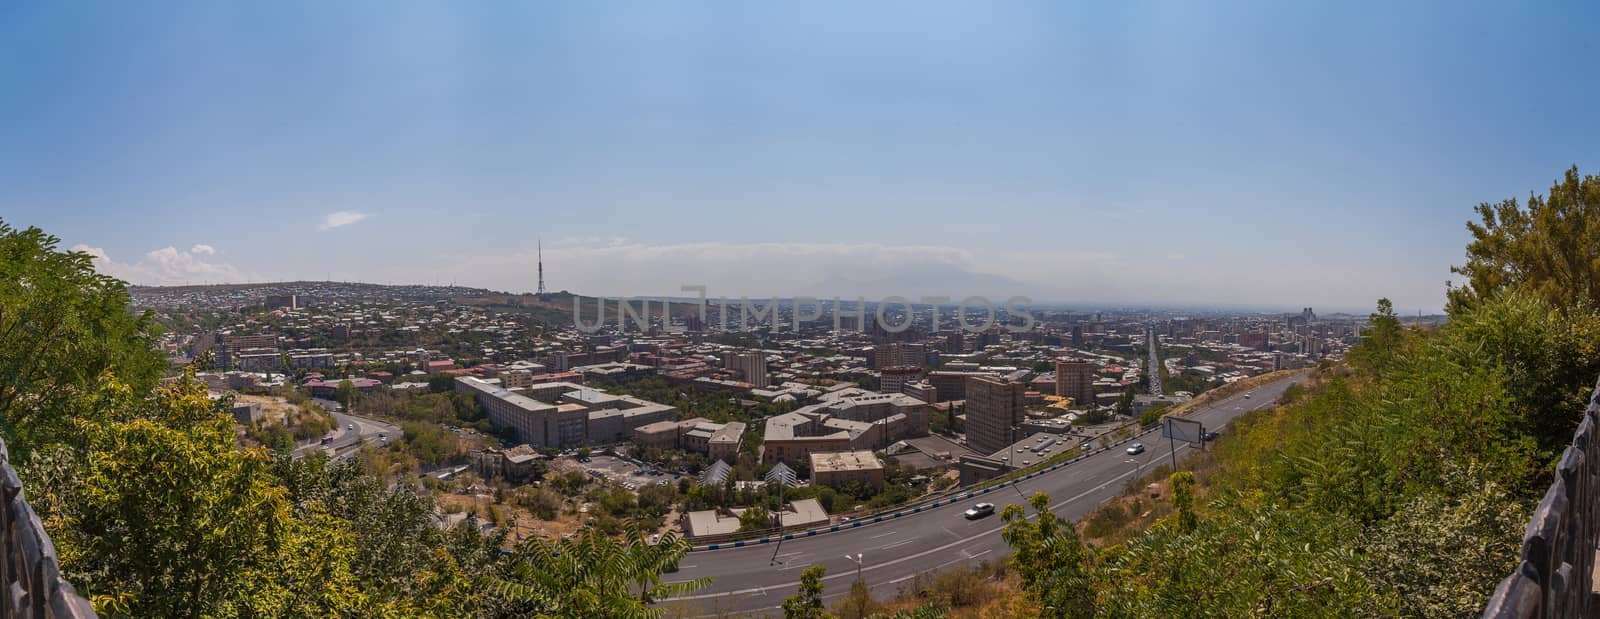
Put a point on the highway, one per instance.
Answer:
(745, 580)
(346, 440)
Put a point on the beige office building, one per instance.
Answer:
(842, 467)
(751, 365)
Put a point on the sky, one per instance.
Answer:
(1272, 154)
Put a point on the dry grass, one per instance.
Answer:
(277, 410)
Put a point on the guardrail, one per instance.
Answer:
(1553, 579)
(1017, 476)
(32, 587)
(1011, 478)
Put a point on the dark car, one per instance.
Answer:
(1211, 436)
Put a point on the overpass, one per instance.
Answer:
(752, 577)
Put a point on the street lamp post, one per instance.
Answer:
(859, 559)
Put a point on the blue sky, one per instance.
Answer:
(1265, 153)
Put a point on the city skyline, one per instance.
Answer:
(1254, 155)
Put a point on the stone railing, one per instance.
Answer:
(1554, 577)
(32, 587)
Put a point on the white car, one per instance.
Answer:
(978, 511)
(1136, 449)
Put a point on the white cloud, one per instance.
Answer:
(166, 266)
(340, 219)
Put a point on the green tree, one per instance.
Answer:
(1152, 416)
(345, 393)
(1382, 341)
(205, 361)
(921, 612)
(755, 519)
(1443, 549)
(154, 510)
(1125, 403)
(855, 604)
(807, 602)
(62, 326)
(1182, 483)
(593, 575)
(1051, 560)
(1546, 248)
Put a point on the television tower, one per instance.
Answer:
(542, 292)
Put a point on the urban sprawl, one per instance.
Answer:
(512, 413)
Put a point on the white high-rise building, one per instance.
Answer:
(752, 365)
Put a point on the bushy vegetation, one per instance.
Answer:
(1394, 485)
(1397, 485)
(156, 510)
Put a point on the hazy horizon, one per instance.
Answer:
(712, 298)
(1247, 154)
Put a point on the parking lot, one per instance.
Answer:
(622, 472)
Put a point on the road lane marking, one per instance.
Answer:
(884, 535)
(911, 557)
(947, 564)
(1058, 505)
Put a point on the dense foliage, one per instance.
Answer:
(594, 575)
(1548, 248)
(158, 511)
(1396, 484)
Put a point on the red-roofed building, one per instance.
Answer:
(330, 388)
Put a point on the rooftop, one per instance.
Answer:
(859, 460)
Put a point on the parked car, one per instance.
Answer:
(1136, 449)
(1211, 436)
(978, 511)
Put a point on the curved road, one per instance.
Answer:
(746, 580)
(345, 440)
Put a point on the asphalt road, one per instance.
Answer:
(747, 580)
(344, 439)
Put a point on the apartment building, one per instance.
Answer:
(1075, 379)
(751, 365)
(994, 408)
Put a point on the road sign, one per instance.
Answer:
(1185, 430)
